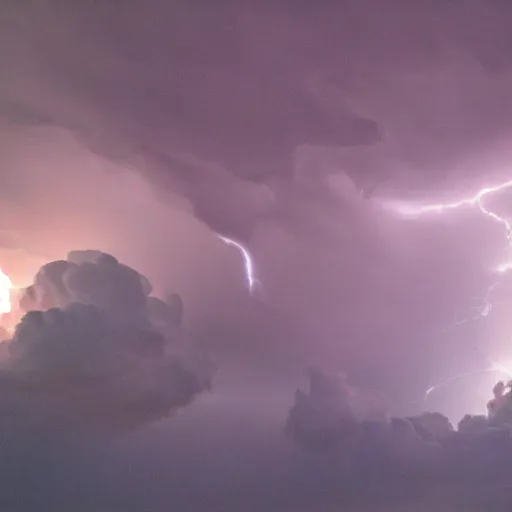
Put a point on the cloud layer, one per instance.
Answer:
(224, 111)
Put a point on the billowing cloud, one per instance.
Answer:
(329, 418)
(94, 348)
(500, 407)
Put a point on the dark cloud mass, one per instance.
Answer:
(88, 352)
(339, 419)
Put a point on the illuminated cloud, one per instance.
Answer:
(95, 350)
(328, 419)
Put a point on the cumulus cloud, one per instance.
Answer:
(210, 105)
(335, 418)
(94, 348)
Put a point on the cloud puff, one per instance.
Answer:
(249, 123)
(94, 348)
(500, 407)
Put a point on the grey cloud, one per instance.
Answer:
(473, 423)
(326, 419)
(89, 351)
(210, 104)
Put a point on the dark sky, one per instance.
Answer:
(147, 129)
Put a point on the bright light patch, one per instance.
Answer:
(503, 367)
(5, 293)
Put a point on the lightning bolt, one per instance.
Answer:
(484, 309)
(248, 262)
(476, 201)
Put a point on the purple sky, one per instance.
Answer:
(144, 129)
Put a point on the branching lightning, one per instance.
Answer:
(474, 201)
(248, 262)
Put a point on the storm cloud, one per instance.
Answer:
(95, 350)
(222, 112)
(149, 129)
(333, 418)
